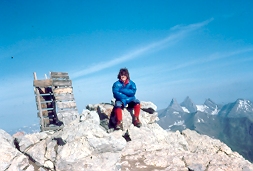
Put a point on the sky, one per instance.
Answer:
(172, 49)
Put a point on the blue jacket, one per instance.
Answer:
(124, 93)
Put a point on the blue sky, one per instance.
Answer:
(173, 49)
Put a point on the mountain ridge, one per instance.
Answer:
(232, 123)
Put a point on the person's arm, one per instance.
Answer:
(130, 90)
(117, 93)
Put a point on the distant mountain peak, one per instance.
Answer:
(243, 105)
(189, 105)
(209, 107)
(240, 108)
(209, 102)
(175, 106)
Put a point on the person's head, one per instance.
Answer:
(123, 74)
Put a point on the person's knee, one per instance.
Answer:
(118, 104)
(136, 101)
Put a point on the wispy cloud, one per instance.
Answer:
(178, 33)
(212, 57)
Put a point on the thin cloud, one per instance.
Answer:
(174, 37)
(212, 57)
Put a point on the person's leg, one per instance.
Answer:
(118, 113)
(137, 107)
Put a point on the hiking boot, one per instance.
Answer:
(137, 122)
(119, 126)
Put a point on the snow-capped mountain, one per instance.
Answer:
(173, 117)
(173, 108)
(240, 108)
(188, 105)
(232, 123)
(209, 107)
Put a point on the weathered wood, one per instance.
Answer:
(53, 128)
(60, 77)
(47, 109)
(64, 105)
(44, 100)
(54, 94)
(45, 97)
(46, 121)
(39, 106)
(42, 83)
(44, 90)
(46, 113)
(62, 83)
(58, 74)
(61, 90)
(64, 97)
(45, 105)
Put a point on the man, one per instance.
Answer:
(124, 92)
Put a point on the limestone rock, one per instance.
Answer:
(86, 144)
(11, 159)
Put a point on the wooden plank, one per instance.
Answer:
(44, 99)
(53, 128)
(44, 90)
(64, 97)
(47, 109)
(46, 105)
(60, 77)
(46, 121)
(42, 83)
(46, 113)
(62, 83)
(64, 105)
(57, 74)
(62, 90)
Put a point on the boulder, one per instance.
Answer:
(11, 159)
(85, 144)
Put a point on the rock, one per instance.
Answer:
(148, 107)
(11, 159)
(84, 144)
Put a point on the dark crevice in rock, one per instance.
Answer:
(127, 136)
(207, 166)
(183, 159)
(16, 144)
(60, 141)
(148, 110)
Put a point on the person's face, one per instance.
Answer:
(123, 77)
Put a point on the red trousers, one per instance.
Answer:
(118, 112)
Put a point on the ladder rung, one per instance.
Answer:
(48, 101)
(47, 94)
(47, 109)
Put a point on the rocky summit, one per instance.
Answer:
(90, 143)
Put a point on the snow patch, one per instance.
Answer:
(185, 110)
(216, 111)
(201, 120)
(179, 123)
(201, 108)
(175, 112)
(244, 105)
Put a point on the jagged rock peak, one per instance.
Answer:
(211, 107)
(175, 106)
(189, 105)
(240, 108)
(210, 103)
(243, 105)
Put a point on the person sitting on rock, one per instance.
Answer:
(124, 92)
